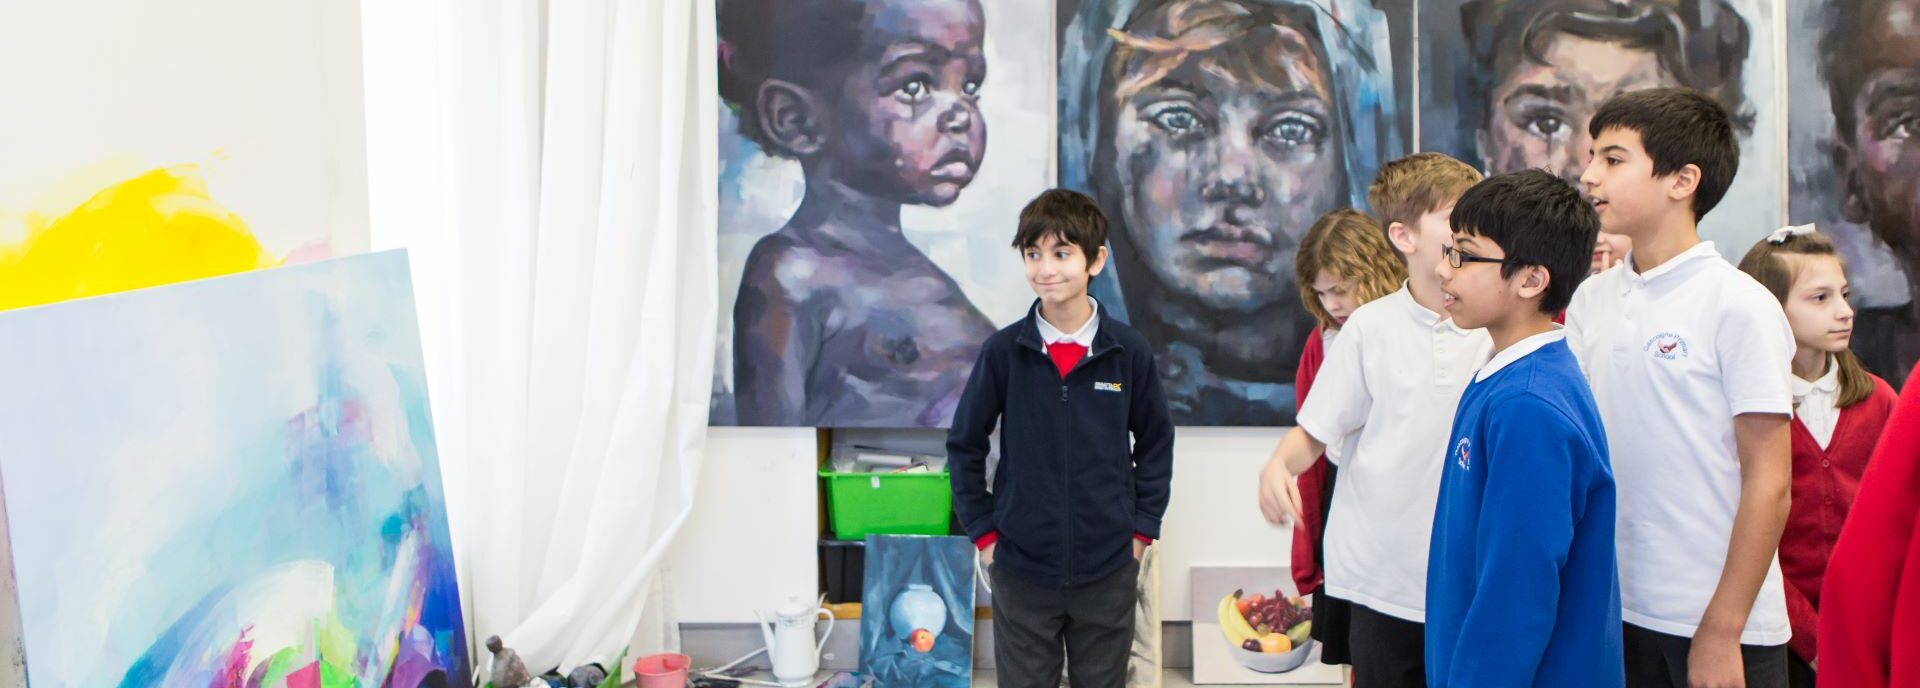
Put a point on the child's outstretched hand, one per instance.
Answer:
(1279, 494)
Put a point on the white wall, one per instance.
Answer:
(751, 540)
(1214, 517)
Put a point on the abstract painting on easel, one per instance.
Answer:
(230, 482)
(153, 143)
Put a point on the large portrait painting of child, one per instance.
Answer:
(1510, 85)
(1214, 133)
(874, 156)
(1854, 152)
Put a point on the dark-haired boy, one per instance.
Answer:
(1086, 460)
(1689, 360)
(1522, 553)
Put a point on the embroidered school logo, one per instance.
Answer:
(1106, 386)
(1666, 346)
(1463, 454)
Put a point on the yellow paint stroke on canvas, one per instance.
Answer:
(157, 228)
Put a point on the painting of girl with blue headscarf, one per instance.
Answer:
(1214, 133)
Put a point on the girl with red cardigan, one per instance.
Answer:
(1839, 411)
(1870, 605)
(1343, 262)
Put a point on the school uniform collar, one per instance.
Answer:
(1103, 339)
(1826, 385)
(1083, 336)
(1518, 351)
(1701, 251)
(1426, 318)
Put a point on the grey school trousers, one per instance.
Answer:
(1036, 628)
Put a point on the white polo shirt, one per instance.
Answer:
(1386, 393)
(1083, 336)
(1673, 354)
(1813, 403)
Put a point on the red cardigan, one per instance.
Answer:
(1306, 567)
(1824, 484)
(1870, 601)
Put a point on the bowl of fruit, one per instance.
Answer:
(1270, 635)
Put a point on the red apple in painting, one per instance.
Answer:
(922, 640)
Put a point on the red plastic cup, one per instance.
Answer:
(667, 670)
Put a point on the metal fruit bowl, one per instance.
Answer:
(1274, 662)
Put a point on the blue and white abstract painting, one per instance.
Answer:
(230, 482)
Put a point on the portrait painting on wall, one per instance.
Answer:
(1213, 133)
(1509, 85)
(865, 212)
(1854, 72)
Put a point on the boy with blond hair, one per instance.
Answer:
(1383, 401)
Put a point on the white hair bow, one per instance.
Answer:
(1780, 236)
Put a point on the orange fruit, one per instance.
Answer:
(1275, 643)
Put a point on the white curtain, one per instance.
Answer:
(549, 167)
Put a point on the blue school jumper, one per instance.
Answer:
(1522, 585)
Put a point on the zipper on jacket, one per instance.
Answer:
(1066, 486)
(1066, 478)
(1066, 466)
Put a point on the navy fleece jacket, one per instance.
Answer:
(1069, 493)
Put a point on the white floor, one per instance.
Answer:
(1175, 678)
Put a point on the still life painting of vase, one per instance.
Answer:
(920, 630)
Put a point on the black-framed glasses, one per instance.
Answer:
(1457, 258)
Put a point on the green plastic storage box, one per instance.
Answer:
(862, 504)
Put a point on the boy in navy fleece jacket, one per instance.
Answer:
(1522, 587)
(1086, 458)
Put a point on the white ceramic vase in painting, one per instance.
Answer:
(919, 608)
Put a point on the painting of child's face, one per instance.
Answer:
(1221, 175)
(1538, 113)
(908, 122)
(1883, 161)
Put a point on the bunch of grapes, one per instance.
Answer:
(1277, 614)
